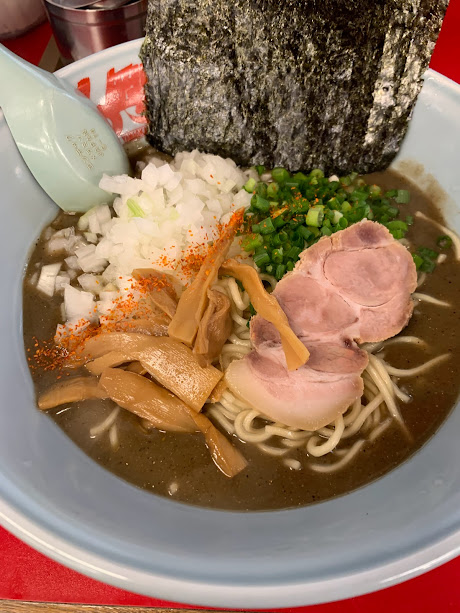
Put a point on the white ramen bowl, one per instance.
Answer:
(62, 503)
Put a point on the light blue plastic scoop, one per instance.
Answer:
(64, 140)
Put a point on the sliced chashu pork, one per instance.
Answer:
(308, 398)
(314, 309)
(337, 355)
(353, 286)
(364, 266)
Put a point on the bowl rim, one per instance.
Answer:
(222, 595)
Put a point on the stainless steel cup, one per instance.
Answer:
(81, 32)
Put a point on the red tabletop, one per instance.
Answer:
(28, 575)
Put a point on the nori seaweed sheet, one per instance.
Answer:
(294, 83)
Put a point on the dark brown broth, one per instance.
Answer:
(155, 461)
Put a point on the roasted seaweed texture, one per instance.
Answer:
(301, 84)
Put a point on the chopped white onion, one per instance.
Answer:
(72, 262)
(47, 280)
(172, 206)
(121, 184)
(103, 214)
(90, 283)
(57, 245)
(91, 238)
(78, 304)
(93, 224)
(62, 280)
(61, 241)
(88, 260)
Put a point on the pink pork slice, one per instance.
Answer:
(353, 286)
(369, 270)
(307, 398)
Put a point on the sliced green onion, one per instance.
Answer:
(314, 217)
(429, 257)
(260, 169)
(260, 204)
(268, 239)
(134, 208)
(296, 218)
(299, 176)
(266, 226)
(280, 175)
(251, 242)
(261, 189)
(334, 204)
(337, 216)
(358, 195)
(250, 185)
(272, 190)
(402, 196)
(262, 249)
(375, 190)
(444, 242)
(427, 253)
(293, 253)
(260, 259)
(298, 241)
(278, 221)
(300, 206)
(397, 225)
(418, 261)
(427, 266)
(283, 236)
(279, 272)
(277, 255)
(305, 233)
(290, 183)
